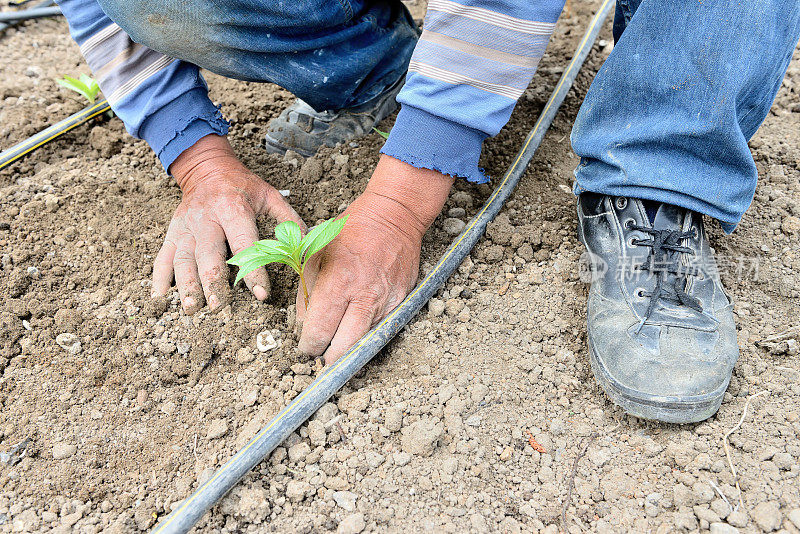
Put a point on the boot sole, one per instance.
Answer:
(653, 407)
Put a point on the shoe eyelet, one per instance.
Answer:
(622, 203)
(695, 232)
(631, 240)
(629, 224)
(639, 292)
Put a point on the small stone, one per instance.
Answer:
(450, 465)
(352, 524)
(245, 355)
(702, 492)
(63, 450)
(436, 307)
(166, 348)
(316, 433)
(393, 419)
(401, 458)
(767, 516)
(457, 212)
(790, 225)
(265, 341)
(463, 199)
(168, 407)
(723, 528)
(421, 437)
(141, 397)
(345, 500)
(326, 413)
(296, 490)
(794, 517)
(299, 451)
(251, 397)
(473, 420)
(311, 171)
(216, 429)
(453, 226)
(506, 454)
(737, 519)
(69, 342)
(375, 459)
(685, 520)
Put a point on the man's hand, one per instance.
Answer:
(374, 263)
(221, 200)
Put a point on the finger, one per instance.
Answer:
(242, 232)
(186, 277)
(325, 310)
(279, 209)
(357, 321)
(210, 255)
(162, 268)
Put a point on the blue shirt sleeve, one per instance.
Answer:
(160, 99)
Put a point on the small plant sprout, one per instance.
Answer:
(385, 135)
(289, 248)
(84, 85)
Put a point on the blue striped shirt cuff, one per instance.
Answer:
(426, 141)
(181, 123)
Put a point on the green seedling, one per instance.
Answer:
(85, 85)
(385, 135)
(289, 247)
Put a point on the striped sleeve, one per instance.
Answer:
(473, 61)
(160, 99)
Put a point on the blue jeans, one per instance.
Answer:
(669, 115)
(331, 53)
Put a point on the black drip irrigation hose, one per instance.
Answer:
(183, 518)
(45, 3)
(9, 156)
(27, 14)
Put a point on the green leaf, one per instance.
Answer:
(85, 86)
(385, 135)
(320, 236)
(288, 232)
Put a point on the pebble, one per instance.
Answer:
(352, 524)
(245, 355)
(251, 397)
(450, 465)
(401, 458)
(217, 429)
(296, 490)
(69, 342)
(265, 341)
(737, 519)
(506, 454)
(326, 413)
(345, 500)
(168, 407)
(63, 450)
(393, 419)
(767, 516)
(723, 528)
(420, 438)
(299, 451)
(457, 212)
(375, 459)
(436, 307)
(316, 433)
(794, 517)
(453, 226)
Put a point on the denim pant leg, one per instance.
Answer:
(331, 53)
(669, 114)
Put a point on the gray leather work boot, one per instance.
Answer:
(662, 339)
(302, 129)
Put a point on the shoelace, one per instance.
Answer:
(662, 263)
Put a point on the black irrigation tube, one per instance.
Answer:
(183, 518)
(45, 3)
(9, 156)
(32, 13)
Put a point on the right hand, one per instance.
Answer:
(221, 201)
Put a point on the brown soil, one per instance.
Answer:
(436, 433)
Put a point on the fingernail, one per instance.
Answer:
(259, 292)
(213, 302)
(189, 303)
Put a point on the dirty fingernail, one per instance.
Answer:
(259, 292)
(189, 302)
(213, 302)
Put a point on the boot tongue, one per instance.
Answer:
(668, 217)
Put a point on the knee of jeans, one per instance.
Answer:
(175, 32)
